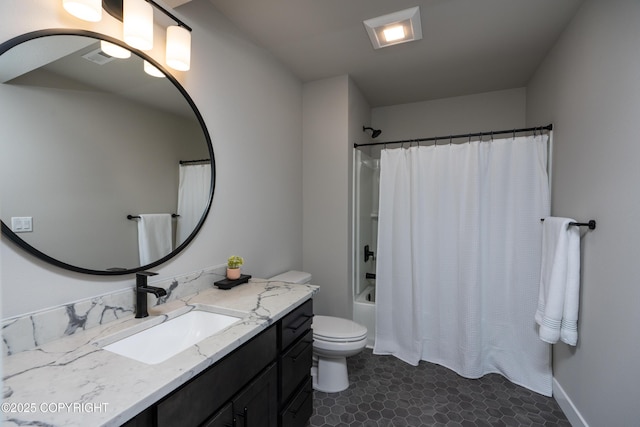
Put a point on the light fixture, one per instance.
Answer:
(137, 21)
(87, 10)
(137, 18)
(152, 70)
(395, 28)
(114, 50)
(178, 55)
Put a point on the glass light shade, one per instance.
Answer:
(152, 70)
(114, 50)
(87, 10)
(137, 18)
(178, 55)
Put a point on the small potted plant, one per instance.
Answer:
(233, 267)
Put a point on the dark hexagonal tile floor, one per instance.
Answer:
(385, 391)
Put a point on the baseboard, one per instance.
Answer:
(567, 406)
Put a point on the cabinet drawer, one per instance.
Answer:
(214, 387)
(296, 365)
(298, 412)
(296, 324)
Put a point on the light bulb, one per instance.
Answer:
(87, 10)
(394, 33)
(114, 50)
(178, 55)
(137, 18)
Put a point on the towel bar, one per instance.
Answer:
(138, 216)
(591, 224)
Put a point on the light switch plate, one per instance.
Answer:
(21, 224)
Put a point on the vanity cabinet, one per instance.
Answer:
(294, 361)
(196, 401)
(264, 383)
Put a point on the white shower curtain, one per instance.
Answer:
(458, 265)
(193, 195)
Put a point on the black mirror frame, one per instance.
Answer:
(6, 231)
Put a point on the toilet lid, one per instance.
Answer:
(292, 276)
(337, 329)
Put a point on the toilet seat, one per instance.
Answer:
(337, 350)
(337, 330)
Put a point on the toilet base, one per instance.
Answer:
(330, 375)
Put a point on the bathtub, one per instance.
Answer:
(364, 312)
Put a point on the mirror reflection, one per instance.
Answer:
(88, 140)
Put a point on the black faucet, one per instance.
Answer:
(142, 289)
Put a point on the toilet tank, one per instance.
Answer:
(292, 276)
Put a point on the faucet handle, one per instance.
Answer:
(146, 273)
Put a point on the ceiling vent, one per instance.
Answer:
(394, 28)
(98, 57)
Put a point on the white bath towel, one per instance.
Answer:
(558, 297)
(154, 237)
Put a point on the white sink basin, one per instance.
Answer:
(160, 342)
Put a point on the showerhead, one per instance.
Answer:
(374, 132)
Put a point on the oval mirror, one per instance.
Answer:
(91, 147)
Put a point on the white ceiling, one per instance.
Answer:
(468, 46)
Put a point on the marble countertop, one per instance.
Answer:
(74, 382)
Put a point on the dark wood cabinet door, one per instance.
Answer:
(196, 401)
(222, 418)
(257, 405)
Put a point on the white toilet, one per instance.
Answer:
(334, 339)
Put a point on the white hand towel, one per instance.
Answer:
(558, 297)
(154, 237)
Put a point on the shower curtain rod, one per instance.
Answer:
(465, 135)
(189, 162)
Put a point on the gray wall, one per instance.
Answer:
(334, 112)
(462, 114)
(252, 107)
(325, 165)
(589, 87)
